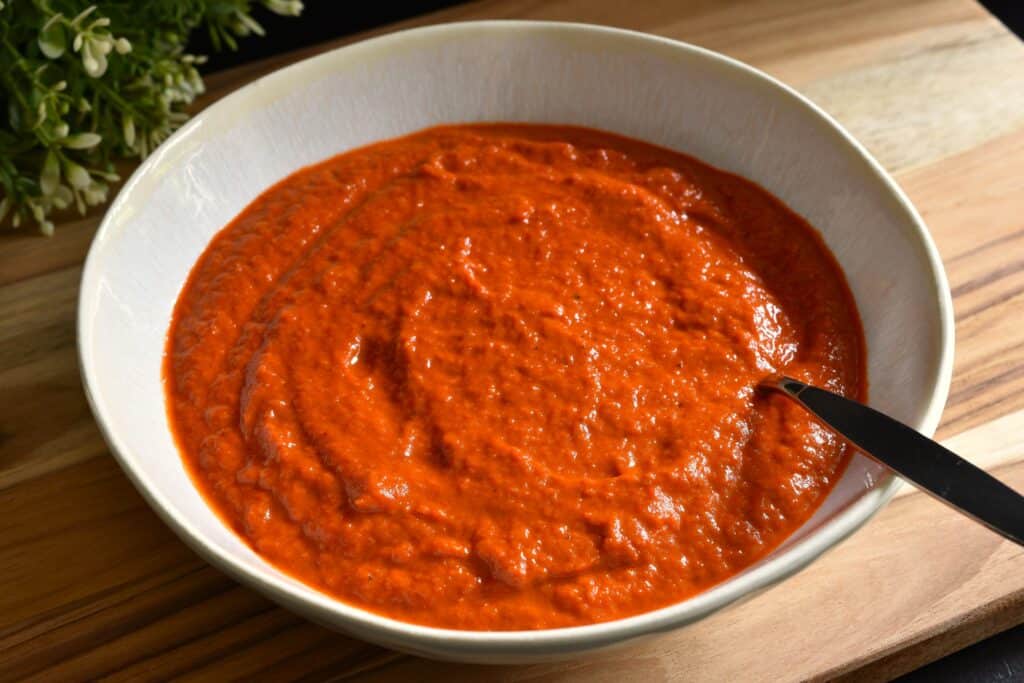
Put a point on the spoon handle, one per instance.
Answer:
(933, 468)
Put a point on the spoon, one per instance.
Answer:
(931, 467)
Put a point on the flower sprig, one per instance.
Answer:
(82, 85)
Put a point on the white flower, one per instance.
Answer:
(122, 46)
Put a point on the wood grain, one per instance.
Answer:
(93, 586)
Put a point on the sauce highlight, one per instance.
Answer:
(503, 376)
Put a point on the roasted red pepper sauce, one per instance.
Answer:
(503, 376)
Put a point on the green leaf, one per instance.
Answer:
(86, 12)
(14, 114)
(94, 60)
(52, 40)
(76, 175)
(50, 177)
(128, 131)
(81, 141)
(119, 81)
(62, 197)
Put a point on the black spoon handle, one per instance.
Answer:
(933, 468)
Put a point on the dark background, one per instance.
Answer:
(1010, 12)
(1000, 658)
(321, 20)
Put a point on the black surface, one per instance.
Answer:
(998, 659)
(321, 20)
(1010, 12)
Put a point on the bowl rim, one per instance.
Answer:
(364, 623)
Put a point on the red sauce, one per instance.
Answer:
(503, 376)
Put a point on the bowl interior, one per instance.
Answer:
(662, 92)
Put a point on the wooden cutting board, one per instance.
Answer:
(92, 585)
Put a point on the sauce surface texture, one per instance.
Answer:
(503, 376)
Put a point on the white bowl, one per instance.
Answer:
(658, 90)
